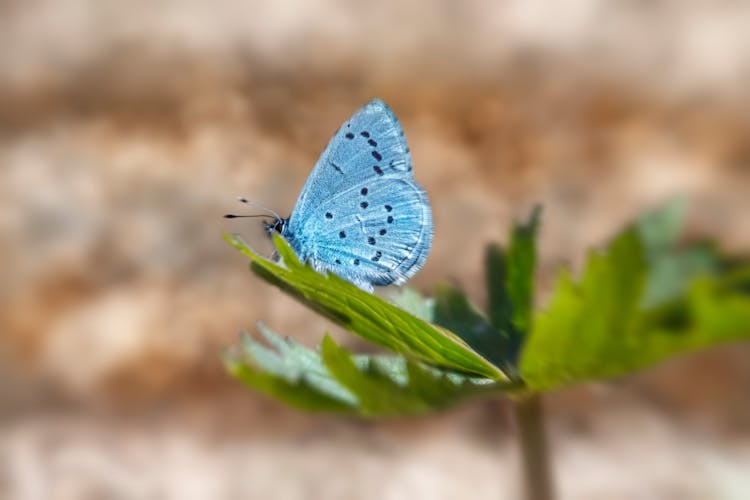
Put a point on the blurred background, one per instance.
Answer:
(127, 128)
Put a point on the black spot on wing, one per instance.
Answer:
(377, 155)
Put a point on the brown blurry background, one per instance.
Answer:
(127, 128)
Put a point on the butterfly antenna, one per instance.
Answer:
(257, 205)
(237, 216)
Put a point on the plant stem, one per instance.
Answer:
(529, 415)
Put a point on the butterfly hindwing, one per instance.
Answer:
(377, 233)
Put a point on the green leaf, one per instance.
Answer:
(671, 267)
(672, 273)
(367, 315)
(660, 229)
(334, 380)
(581, 331)
(510, 289)
(716, 309)
(600, 326)
(305, 386)
(521, 264)
(510, 282)
(499, 304)
(414, 303)
(454, 312)
(397, 386)
(378, 393)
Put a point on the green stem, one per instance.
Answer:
(529, 415)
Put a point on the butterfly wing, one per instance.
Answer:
(361, 215)
(370, 144)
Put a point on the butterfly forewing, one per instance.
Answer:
(370, 144)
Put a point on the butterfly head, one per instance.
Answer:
(278, 225)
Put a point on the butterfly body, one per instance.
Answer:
(361, 215)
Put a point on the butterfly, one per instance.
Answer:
(361, 215)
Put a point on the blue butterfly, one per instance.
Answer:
(360, 214)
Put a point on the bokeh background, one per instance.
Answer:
(127, 128)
